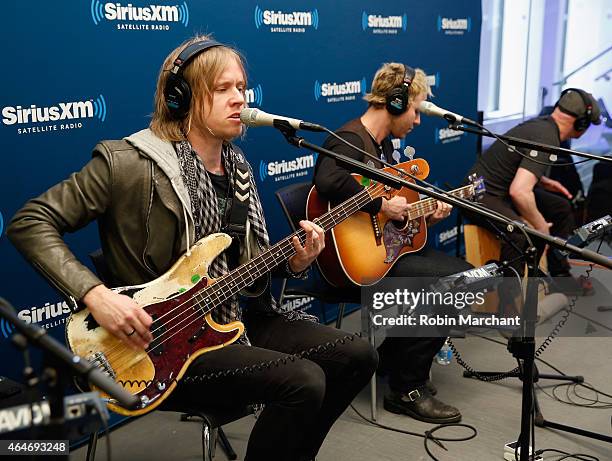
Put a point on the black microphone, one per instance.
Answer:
(256, 117)
(429, 108)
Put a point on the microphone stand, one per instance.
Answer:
(524, 349)
(519, 142)
(62, 360)
(539, 419)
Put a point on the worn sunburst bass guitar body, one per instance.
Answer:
(180, 303)
(182, 329)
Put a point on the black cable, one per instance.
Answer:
(427, 435)
(472, 371)
(547, 341)
(580, 456)
(595, 403)
(566, 312)
(562, 373)
(591, 388)
(261, 366)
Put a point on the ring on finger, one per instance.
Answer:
(131, 332)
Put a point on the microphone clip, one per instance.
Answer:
(288, 132)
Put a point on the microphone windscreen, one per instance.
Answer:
(248, 116)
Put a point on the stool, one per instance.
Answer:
(212, 420)
(480, 245)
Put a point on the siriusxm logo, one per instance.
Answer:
(434, 80)
(452, 26)
(6, 328)
(293, 304)
(379, 24)
(63, 111)
(446, 135)
(286, 169)
(338, 92)
(47, 314)
(115, 11)
(73, 111)
(281, 21)
(448, 236)
(254, 96)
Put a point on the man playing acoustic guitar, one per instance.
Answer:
(157, 192)
(397, 91)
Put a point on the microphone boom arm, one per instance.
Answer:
(519, 142)
(397, 183)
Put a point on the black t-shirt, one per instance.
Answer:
(335, 182)
(220, 183)
(498, 165)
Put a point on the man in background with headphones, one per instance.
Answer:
(393, 111)
(518, 187)
(154, 194)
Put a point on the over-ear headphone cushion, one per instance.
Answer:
(178, 96)
(583, 119)
(582, 123)
(397, 101)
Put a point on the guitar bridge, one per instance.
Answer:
(376, 228)
(100, 360)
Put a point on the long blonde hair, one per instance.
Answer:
(200, 73)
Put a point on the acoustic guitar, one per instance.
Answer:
(363, 248)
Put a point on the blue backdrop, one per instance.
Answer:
(83, 70)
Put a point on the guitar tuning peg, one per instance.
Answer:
(409, 152)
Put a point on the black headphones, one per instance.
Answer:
(396, 101)
(177, 91)
(583, 121)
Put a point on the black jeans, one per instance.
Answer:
(555, 209)
(408, 360)
(303, 398)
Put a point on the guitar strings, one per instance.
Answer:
(218, 285)
(420, 207)
(372, 193)
(269, 251)
(424, 206)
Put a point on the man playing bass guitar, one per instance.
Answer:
(157, 192)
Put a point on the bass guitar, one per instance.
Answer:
(181, 303)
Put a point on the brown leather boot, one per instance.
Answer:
(421, 405)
